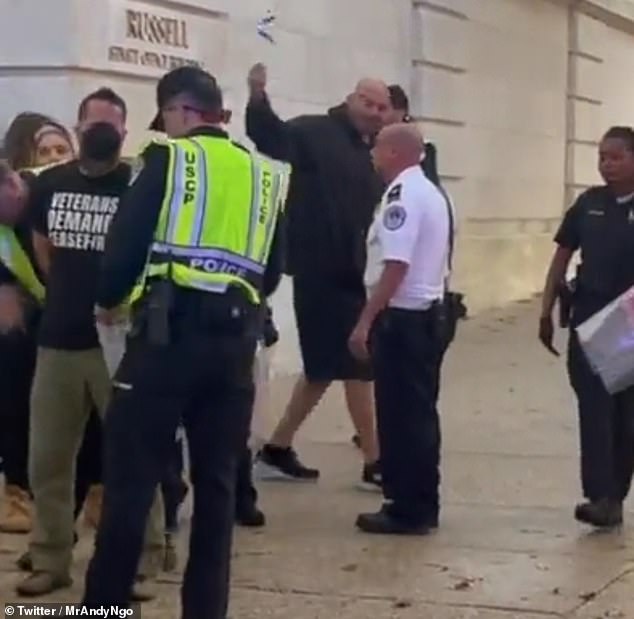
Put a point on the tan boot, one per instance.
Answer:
(42, 583)
(17, 511)
(92, 506)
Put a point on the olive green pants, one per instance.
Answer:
(65, 385)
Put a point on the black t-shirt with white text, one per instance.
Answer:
(74, 212)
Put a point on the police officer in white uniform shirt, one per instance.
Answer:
(399, 329)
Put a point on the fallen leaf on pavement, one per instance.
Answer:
(465, 583)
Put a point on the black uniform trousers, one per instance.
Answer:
(205, 379)
(606, 423)
(17, 366)
(406, 354)
(89, 460)
(173, 487)
(246, 494)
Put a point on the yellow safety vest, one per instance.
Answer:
(13, 256)
(218, 216)
(16, 260)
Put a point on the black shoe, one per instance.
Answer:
(282, 464)
(604, 513)
(356, 441)
(381, 523)
(250, 516)
(25, 563)
(371, 479)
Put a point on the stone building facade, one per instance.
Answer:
(515, 93)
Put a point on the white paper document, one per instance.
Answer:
(607, 339)
(113, 339)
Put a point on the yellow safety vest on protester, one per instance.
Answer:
(16, 260)
(13, 256)
(218, 217)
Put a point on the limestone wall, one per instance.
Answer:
(517, 103)
(55, 52)
(516, 93)
(490, 82)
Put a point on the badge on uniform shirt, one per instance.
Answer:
(394, 217)
(394, 193)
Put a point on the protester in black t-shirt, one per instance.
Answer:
(73, 205)
(34, 140)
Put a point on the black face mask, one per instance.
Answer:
(100, 142)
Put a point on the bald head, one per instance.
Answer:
(405, 138)
(373, 87)
(369, 106)
(397, 148)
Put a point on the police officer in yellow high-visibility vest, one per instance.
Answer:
(198, 234)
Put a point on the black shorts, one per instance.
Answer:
(326, 312)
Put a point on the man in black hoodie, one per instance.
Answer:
(333, 194)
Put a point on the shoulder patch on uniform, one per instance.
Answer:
(394, 193)
(394, 217)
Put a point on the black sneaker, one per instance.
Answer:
(282, 464)
(602, 514)
(371, 479)
(250, 516)
(381, 523)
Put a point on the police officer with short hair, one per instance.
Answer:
(600, 225)
(198, 233)
(400, 328)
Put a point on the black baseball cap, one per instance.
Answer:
(194, 81)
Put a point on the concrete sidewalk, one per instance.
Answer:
(507, 547)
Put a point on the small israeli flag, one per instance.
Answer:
(264, 26)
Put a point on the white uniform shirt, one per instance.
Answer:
(412, 226)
